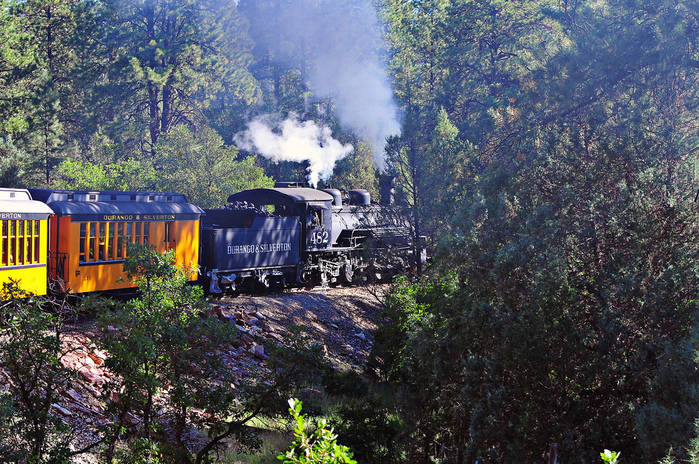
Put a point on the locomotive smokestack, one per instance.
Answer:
(387, 189)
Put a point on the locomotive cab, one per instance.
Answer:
(313, 208)
(318, 227)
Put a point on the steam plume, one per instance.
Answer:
(335, 45)
(292, 140)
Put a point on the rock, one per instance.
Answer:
(72, 395)
(247, 339)
(229, 319)
(273, 336)
(97, 356)
(259, 352)
(91, 377)
(216, 310)
(75, 360)
(86, 411)
(131, 421)
(61, 410)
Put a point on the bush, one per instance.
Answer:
(31, 349)
(168, 359)
(558, 312)
(370, 427)
(163, 342)
(345, 384)
(319, 448)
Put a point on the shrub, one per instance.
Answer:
(31, 349)
(318, 448)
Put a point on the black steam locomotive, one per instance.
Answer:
(293, 235)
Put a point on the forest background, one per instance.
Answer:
(546, 149)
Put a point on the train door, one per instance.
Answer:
(59, 264)
(170, 241)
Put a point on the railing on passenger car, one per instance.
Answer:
(57, 270)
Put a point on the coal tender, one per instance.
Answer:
(260, 238)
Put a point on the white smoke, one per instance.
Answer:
(294, 140)
(364, 103)
(336, 44)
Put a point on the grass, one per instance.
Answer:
(274, 443)
(275, 434)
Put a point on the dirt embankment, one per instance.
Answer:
(341, 319)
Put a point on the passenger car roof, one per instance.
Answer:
(281, 196)
(20, 201)
(108, 203)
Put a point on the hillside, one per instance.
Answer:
(341, 319)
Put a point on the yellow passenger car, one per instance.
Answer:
(89, 232)
(23, 237)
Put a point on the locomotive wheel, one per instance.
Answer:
(302, 276)
(348, 272)
(232, 290)
(264, 282)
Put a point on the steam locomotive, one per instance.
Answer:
(295, 235)
(75, 241)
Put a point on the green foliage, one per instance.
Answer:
(462, 70)
(319, 448)
(562, 308)
(173, 60)
(371, 429)
(45, 85)
(200, 166)
(128, 175)
(196, 164)
(31, 349)
(575, 291)
(570, 319)
(140, 451)
(292, 365)
(692, 451)
(13, 164)
(357, 170)
(18, 59)
(161, 342)
(345, 384)
(610, 457)
(168, 358)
